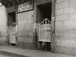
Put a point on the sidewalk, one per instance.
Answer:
(30, 53)
(4, 56)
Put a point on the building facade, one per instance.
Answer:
(19, 25)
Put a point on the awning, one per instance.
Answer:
(9, 3)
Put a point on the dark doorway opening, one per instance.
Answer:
(12, 28)
(43, 11)
(11, 18)
(12, 44)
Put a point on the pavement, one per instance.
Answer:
(3, 55)
(8, 51)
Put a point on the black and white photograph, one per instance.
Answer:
(37, 28)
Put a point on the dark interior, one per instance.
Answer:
(11, 18)
(13, 44)
(45, 11)
(45, 46)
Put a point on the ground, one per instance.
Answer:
(7, 51)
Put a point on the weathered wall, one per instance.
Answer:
(26, 22)
(25, 29)
(3, 26)
(65, 27)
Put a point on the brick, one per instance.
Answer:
(69, 43)
(61, 0)
(59, 11)
(72, 2)
(69, 24)
(65, 0)
(61, 17)
(75, 23)
(75, 8)
(72, 16)
(59, 25)
(68, 10)
(63, 4)
(57, 5)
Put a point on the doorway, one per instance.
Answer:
(44, 12)
(12, 28)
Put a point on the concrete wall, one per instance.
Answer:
(3, 26)
(65, 27)
(25, 29)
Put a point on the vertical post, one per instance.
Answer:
(35, 40)
(16, 24)
(53, 27)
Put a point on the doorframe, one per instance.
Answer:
(52, 27)
(13, 10)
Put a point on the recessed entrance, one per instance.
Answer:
(12, 28)
(11, 18)
(44, 12)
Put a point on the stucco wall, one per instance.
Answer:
(65, 27)
(3, 26)
(25, 29)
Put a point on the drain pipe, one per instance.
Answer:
(53, 19)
